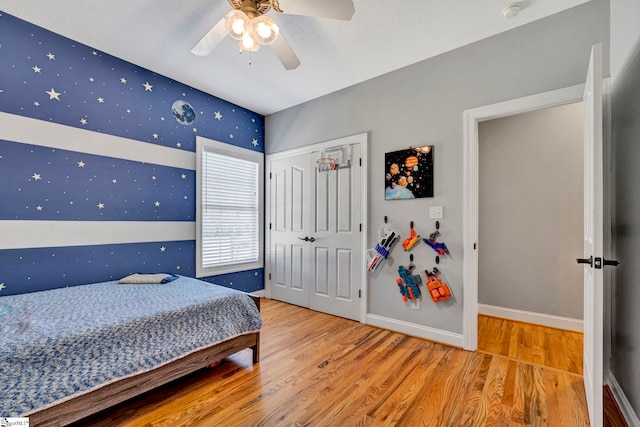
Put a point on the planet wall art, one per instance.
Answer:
(183, 112)
(409, 173)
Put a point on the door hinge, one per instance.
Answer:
(269, 276)
(359, 293)
(361, 227)
(269, 226)
(270, 175)
(475, 245)
(360, 161)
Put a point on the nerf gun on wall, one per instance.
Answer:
(439, 247)
(386, 238)
(410, 241)
(408, 284)
(438, 290)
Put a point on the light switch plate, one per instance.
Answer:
(435, 212)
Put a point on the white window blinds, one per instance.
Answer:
(230, 214)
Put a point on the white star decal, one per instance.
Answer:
(162, 249)
(128, 110)
(37, 69)
(123, 80)
(100, 100)
(83, 121)
(153, 177)
(51, 55)
(195, 129)
(231, 135)
(178, 144)
(90, 79)
(218, 115)
(37, 104)
(94, 53)
(81, 164)
(100, 205)
(115, 181)
(53, 94)
(254, 142)
(38, 208)
(183, 176)
(2, 286)
(157, 203)
(36, 176)
(147, 87)
(155, 135)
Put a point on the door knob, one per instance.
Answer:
(610, 262)
(586, 261)
(311, 239)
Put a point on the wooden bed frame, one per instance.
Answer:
(111, 394)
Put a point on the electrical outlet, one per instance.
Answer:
(435, 212)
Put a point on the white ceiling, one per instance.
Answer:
(382, 36)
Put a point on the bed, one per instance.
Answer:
(70, 352)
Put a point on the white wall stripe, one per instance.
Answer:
(38, 132)
(47, 234)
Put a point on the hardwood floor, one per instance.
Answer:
(320, 370)
(525, 342)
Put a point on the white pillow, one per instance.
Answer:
(155, 278)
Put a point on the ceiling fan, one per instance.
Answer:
(248, 24)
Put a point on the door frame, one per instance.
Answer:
(471, 118)
(361, 139)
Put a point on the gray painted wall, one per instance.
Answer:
(423, 104)
(530, 211)
(625, 352)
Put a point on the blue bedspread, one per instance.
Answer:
(61, 343)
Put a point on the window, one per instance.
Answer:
(229, 217)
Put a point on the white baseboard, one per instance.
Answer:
(548, 320)
(258, 294)
(627, 411)
(431, 334)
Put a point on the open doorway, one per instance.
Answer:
(472, 121)
(530, 293)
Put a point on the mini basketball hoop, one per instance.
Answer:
(326, 164)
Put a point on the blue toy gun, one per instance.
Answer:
(410, 289)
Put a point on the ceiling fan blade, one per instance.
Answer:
(285, 54)
(210, 40)
(332, 9)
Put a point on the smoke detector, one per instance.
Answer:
(511, 11)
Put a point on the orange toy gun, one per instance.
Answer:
(410, 241)
(438, 290)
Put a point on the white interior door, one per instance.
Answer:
(315, 239)
(337, 256)
(593, 238)
(289, 209)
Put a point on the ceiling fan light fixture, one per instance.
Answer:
(264, 30)
(236, 22)
(247, 43)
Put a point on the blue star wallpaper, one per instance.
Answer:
(90, 139)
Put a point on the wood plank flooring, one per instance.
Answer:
(525, 342)
(320, 370)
